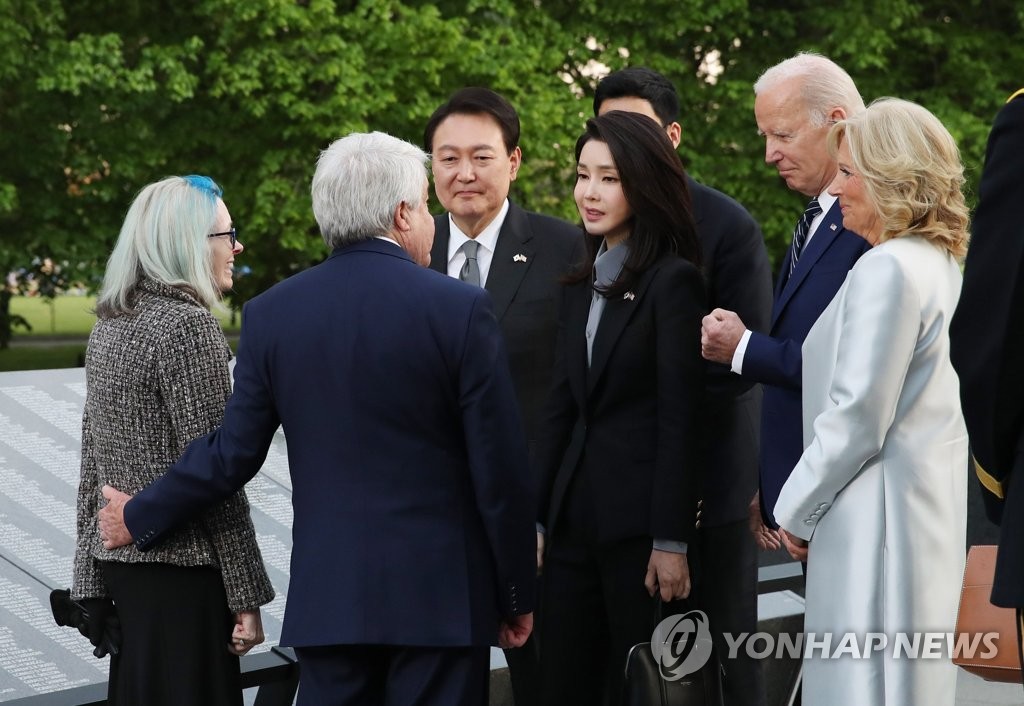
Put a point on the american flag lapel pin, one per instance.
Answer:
(629, 295)
(519, 257)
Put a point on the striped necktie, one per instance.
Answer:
(803, 228)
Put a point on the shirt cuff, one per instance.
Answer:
(741, 350)
(668, 545)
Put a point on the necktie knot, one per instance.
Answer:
(802, 230)
(470, 271)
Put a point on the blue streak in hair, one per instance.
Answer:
(204, 183)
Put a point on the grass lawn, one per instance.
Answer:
(69, 316)
(41, 357)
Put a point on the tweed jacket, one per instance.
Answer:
(156, 380)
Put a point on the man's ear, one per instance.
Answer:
(400, 219)
(675, 133)
(516, 159)
(836, 115)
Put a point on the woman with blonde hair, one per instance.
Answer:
(877, 502)
(157, 377)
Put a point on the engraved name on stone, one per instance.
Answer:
(57, 460)
(36, 555)
(20, 603)
(25, 492)
(30, 668)
(66, 416)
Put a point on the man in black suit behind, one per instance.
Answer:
(738, 277)
(518, 256)
(987, 343)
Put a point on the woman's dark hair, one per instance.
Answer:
(654, 184)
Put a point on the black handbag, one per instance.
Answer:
(662, 676)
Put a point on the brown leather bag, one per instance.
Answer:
(978, 615)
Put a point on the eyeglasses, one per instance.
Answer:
(233, 233)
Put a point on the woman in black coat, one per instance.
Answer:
(617, 459)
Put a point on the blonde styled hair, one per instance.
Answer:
(911, 170)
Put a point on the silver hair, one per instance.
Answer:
(359, 183)
(824, 87)
(164, 237)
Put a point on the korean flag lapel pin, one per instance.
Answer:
(629, 296)
(519, 257)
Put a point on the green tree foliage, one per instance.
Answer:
(98, 99)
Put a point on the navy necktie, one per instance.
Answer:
(800, 233)
(470, 271)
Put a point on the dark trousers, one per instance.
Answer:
(386, 675)
(724, 565)
(595, 608)
(175, 630)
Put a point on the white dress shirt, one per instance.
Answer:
(487, 239)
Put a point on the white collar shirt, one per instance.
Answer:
(487, 239)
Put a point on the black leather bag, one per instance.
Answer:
(648, 683)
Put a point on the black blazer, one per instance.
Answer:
(987, 345)
(524, 291)
(629, 422)
(739, 278)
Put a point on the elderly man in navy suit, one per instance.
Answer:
(796, 103)
(413, 538)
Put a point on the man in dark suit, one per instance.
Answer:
(796, 103)
(520, 258)
(738, 277)
(987, 347)
(413, 537)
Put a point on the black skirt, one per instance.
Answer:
(175, 627)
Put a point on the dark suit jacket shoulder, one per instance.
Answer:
(627, 423)
(736, 265)
(738, 277)
(532, 254)
(413, 508)
(987, 332)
